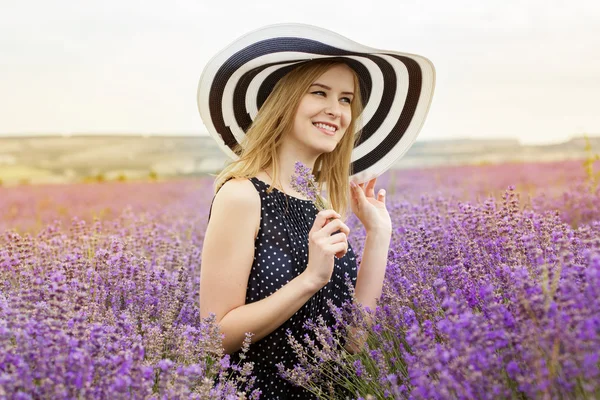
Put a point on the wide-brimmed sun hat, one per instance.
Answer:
(396, 89)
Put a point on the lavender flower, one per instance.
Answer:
(303, 181)
(488, 293)
(109, 310)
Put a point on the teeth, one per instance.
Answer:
(327, 127)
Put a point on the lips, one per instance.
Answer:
(321, 126)
(325, 131)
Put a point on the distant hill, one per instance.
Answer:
(41, 159)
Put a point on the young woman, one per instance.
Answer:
(270, 259)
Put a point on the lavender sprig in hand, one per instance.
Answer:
(303, 181)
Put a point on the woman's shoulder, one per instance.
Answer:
(237, 202)
(238, 192)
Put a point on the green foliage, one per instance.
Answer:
(593, 177)
(153, 175)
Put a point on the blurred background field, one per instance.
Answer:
(49, 178)
(96, 186)
(79, 158)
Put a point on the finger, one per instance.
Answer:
(353, 194)
(359, 192)
(338, 238)
(370, 192)
(341, 253)
(345, 229)
(339, 249)
(322, 217)
(381, 195)
(334, 226)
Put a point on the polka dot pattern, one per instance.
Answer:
(280, 255)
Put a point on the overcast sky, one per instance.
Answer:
(505, 69)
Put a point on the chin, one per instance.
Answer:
(328, 150)
(324, 147)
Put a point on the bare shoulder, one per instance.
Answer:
(236, 201)
(238, 192)
(228, 248)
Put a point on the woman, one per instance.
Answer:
(270, 259)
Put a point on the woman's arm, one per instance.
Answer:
(371, 273)
(373, 214)
(264, 316)
(227, 257)
(369, 282)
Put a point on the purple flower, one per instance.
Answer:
(358, 368)
(488, 292)
(303, 181)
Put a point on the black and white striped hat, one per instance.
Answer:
(396, 89)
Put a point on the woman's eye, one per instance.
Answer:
(344, 99)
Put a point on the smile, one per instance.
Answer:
(327, 129)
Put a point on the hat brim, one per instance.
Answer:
(398, 88)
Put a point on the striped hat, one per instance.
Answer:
(396, 89)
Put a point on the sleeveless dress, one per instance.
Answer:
(280, 255)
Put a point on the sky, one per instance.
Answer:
(526, 70)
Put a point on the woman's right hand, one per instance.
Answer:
(323, 246)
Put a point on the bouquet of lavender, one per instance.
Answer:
(303, 181)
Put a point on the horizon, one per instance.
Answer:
(206, 134)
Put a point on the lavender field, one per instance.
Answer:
(492, 291)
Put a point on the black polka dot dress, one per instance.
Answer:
(280, 255)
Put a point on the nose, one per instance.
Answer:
(333, 109)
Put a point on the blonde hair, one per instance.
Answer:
(258, 149)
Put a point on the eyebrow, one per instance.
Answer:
(328, 88)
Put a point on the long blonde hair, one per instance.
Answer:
(258, 149)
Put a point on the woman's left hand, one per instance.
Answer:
(371, 211)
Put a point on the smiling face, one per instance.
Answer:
(324, 112)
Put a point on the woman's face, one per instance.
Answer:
(324, 112)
